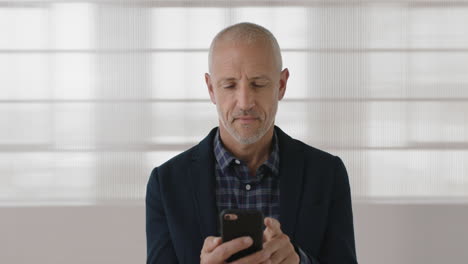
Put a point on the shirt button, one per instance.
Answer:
(237, 161)
(248, 187)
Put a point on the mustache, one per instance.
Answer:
(244, 113)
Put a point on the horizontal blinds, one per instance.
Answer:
(94, 94)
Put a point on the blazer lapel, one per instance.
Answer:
(204, 183)
(291, 175)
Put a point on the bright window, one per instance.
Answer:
(94, 94)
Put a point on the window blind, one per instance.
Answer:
(94, 94)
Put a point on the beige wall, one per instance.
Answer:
(385, 234)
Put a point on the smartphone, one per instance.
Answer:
(236, 223)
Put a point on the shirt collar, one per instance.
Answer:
(225, 158)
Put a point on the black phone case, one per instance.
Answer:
(249, 223)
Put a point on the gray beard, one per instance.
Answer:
(249, 140)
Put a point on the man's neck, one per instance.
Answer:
(254, 154)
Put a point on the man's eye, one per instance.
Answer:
(228, 86)
(258, 85)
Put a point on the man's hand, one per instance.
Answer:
(277, 247)
(215, 252)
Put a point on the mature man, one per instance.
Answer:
(249, 163)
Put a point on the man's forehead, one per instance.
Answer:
(256, 61)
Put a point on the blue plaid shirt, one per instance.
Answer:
(236, 189)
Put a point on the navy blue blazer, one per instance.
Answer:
(315, 204)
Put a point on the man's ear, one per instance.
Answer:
(284, 75)
(209, 85)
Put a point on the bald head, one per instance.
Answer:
(246, 33)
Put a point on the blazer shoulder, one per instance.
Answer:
(175, 168)
(318, 158)
(178, 162)
(312, 156)
(314, 152)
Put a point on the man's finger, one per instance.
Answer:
(270, 248)
(227, 249)
(257, 257)
(274, 245)
(282, 252)
(211, 243)
(273, 224)
(273, 228)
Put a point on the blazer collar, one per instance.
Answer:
(204, 183)
(203, 180)
(291, 171)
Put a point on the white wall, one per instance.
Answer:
(385, 234)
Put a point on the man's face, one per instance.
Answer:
(246, 85)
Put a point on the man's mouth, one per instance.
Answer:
(246, 119)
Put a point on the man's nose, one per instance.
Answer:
(245, 97)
